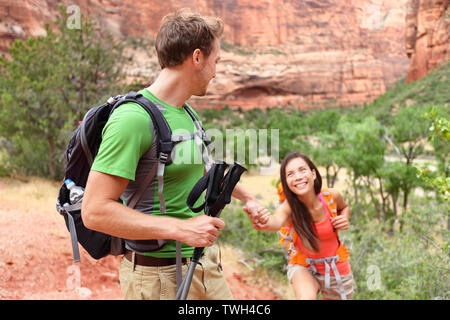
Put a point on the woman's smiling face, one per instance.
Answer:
(299, 177)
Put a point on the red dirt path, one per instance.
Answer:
(36, 263)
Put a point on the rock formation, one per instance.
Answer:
(427, 35)
(305, 54)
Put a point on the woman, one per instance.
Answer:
(310, 218)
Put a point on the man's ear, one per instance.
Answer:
(197, 56)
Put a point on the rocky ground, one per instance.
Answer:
(36, 255)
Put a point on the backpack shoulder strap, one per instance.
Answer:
(281, 196)
(198, 124)
(201, 138)
(329, 201)
(164, 143)
(164, 149)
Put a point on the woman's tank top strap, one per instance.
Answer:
(327, 213)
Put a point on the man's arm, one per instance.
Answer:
(242, 194)
(272, 223)
(251, 203)
(102, 212)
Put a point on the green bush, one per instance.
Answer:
(47, 86)
(412, 264)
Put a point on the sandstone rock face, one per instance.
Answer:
(305, 54)
(427, 35)
(19, 19)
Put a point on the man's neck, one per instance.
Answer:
(172, 87)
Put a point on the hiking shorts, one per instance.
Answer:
(331, 293)
(159, 283)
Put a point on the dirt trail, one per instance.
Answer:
(36, 257)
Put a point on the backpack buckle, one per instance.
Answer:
(163, 157)
(166, 147)
(205, 138)
(111, 101)
(60, 209)
(133, 95)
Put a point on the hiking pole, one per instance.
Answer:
(218, 195)
(183, 290)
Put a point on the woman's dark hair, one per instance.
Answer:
(301, 217)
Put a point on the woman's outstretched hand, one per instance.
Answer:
(259, 217)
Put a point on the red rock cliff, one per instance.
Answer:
(427, 35)
(304, 53)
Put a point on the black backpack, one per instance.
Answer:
(81, 151)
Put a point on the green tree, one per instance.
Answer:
(327, 154)
(362, 152)
(407, 136)
(326, 151)
(47, 85)
(389, 173)
(439, 137)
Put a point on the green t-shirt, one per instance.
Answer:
(127, 136)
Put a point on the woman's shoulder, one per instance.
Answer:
(284, 207)
(334, 192)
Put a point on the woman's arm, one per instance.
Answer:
(341, 221)
(264, 221)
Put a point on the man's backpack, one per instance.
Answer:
(81, 151)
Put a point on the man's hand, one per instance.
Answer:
(260, 219)
(258, 215)
(252, 207)
(200, 231)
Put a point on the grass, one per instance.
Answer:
(29, 194)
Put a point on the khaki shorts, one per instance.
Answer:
(331, 293)
(159, 283)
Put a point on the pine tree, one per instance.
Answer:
(47, 85)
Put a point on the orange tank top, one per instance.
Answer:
(329, 243)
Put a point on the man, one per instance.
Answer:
(188, 49)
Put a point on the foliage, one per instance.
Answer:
(440, 137)
(399, 225)
(430, 90)
(47, 85)
(262, 246)
(399, 228)
(405, 266)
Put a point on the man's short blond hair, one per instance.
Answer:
(182, 32)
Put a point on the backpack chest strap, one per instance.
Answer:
(329, 261)
(201, 139)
